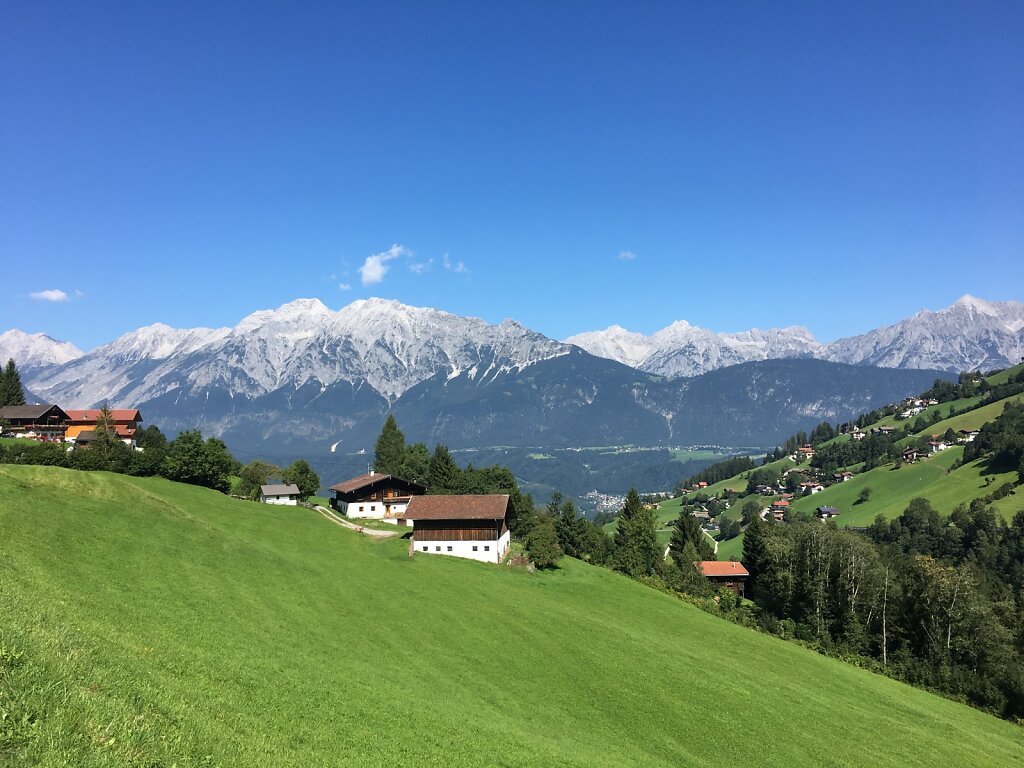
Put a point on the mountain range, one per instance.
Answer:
(971, 334)
(304, 378)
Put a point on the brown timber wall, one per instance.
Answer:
(454, 530)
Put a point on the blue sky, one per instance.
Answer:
(569, 165)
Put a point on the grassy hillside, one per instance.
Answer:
(892, 489)
(164, 624)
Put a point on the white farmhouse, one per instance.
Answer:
(375, 496)
(287, 495)
(474, 527)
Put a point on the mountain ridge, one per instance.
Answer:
(970, 334)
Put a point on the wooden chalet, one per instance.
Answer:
(826, 513)
(125, 422)
(39, 422)
(725, 573)
(376, 496)
(474, 527)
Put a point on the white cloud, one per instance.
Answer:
(79, 294)
(344, 287)
(52, 294)
(419, 267)
(375, 267)
(627, 255)
(453, 266)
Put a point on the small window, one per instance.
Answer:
(475, 547)
(361, 508)
(437, 549)
(487, 549)
(426, 548)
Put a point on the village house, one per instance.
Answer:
(286, 495)
(124, 420)
(811, 487)
(826, 513)
(937, 444)
(910, 455)
(842, 477)
(376, 496)
(37, 422)
(725, 573)
(805, 452)
(473, 527)
(967, 435)
(858, 434)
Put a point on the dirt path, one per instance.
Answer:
(338, 520)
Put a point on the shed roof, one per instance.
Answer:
(489, 507)
(722, 568)
(279, 490)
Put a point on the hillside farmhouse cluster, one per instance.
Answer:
(51, 423)
(471, 526)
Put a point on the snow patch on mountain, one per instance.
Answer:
(971, 334)
(35, 350)
(682, 349)
(388, 345)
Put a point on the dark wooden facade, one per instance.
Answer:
(375, 488)
(459, 530)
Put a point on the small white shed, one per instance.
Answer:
(280, 494)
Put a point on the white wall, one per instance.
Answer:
(372, 510)
(368, 509)
(490, 551)
(281, 500)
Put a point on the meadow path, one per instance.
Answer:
(330, 515)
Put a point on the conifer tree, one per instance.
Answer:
(11, 390)
(390, 448)
(443, 474)
(105, 430)
(542, 544)
(688, 531)
(637, 552)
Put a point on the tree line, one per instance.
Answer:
(934, 601)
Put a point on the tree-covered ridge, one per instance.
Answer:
(1002, 440)
(936, 601)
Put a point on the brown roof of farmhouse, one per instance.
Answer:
(363, 481)
(29, 411)
(491, 507)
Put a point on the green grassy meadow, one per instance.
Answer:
(163, 625)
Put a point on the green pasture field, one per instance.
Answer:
(892, 489)
(144, 623)
(975, 419)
